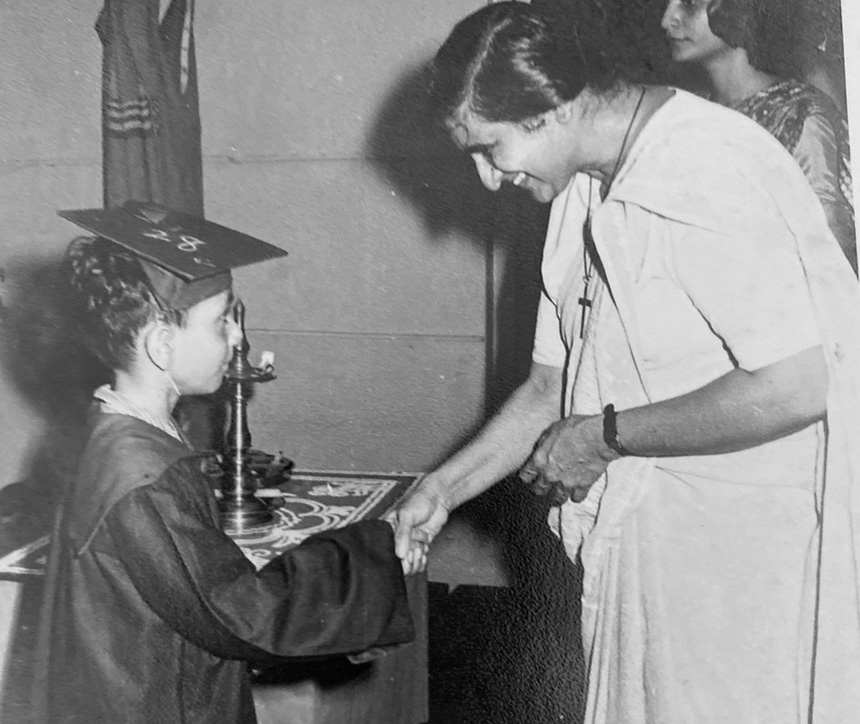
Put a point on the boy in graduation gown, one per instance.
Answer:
(152, 613)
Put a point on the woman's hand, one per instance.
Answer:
(567, 460)
(417, 521)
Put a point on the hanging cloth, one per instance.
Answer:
(150, 108)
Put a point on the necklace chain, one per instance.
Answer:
(587, 252)
(624, 142)
(113, 401)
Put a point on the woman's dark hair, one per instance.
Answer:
(113, 299)
(778, 35)
(509, 62)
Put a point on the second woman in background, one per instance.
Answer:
(750, 52)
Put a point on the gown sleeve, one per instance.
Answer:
(338, 592)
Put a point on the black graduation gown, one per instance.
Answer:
(152, 612)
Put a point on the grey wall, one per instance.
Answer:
(376, 319)
(49, 159)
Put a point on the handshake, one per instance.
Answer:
(416, 522)
(568, 458)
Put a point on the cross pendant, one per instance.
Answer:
(585, 303)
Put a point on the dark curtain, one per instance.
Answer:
(150, 110)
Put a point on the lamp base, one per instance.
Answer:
(244, 513)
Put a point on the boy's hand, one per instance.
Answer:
(415, 560)
(411, 549)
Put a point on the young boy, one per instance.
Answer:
(152, 613)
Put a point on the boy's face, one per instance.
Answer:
(204, 346)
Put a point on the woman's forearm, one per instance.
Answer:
(737, 411)
(503, 444)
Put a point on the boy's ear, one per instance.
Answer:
(158, 342)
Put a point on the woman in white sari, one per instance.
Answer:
(694, 386)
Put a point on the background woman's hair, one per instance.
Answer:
(780, 36)
(113, 299)
(509, 62)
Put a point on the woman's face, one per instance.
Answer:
(526, 156)
(689, 34)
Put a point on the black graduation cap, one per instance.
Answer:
(186, 258)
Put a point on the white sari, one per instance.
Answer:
(716, 588)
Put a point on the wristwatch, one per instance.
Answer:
(610, 431)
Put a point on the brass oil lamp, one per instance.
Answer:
(239, 506)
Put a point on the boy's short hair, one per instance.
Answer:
(113, 299)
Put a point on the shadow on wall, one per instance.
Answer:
(410, 148)
(412, 151)
(44, 359)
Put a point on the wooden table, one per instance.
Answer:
(389, 690)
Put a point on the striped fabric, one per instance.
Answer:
(135, 117)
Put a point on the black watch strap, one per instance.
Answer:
(610, 431)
